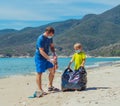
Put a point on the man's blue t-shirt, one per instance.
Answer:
(42, 42)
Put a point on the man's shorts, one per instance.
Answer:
(42, 65)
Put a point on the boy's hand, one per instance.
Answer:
(81, 65)
(68, 67)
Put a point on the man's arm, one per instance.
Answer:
(43, 53)
(54, 53)
(52, 49)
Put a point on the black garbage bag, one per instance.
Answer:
(74, 80)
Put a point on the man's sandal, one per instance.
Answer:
(39, 93)
(53, 89)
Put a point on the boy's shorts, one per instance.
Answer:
(42, 66)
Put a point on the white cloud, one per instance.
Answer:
(105, 2)
(23, 13)
(51, 9)
(13, 13)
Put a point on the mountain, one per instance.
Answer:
(93, 31)
(111, 50)
(22, 42)
(7, 31)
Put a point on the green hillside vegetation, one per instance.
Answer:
(111, 50)
(7, 31)
(93, 31)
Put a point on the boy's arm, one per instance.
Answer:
(70, 63)
(83, 63)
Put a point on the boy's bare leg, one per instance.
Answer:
(38, 81)
(51, 76)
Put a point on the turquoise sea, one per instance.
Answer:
(26, 66)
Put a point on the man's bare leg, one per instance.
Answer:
(51, 76)
(38, 81)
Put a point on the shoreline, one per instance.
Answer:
(103, 64)
(98, 65)
(103, 89)
(60, 56)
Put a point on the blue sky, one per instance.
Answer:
(17, 14)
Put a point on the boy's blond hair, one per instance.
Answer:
(77, 45)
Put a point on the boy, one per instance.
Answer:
(78, 57)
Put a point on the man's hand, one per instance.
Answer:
(55, 58)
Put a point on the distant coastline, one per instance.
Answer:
(26, 66)
(59, 56)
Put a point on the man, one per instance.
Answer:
(43, 61)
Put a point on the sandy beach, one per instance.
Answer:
(103, 89)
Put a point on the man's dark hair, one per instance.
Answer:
(50, 29)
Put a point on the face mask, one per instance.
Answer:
(49, 37)
(77, 51)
